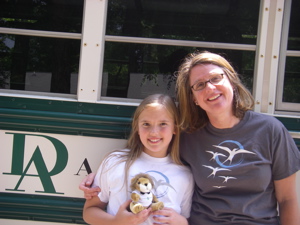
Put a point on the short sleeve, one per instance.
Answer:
(286, 155)
(187, 200)
(101, 181)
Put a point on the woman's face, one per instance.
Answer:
(216, 99)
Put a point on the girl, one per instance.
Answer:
(152, 148)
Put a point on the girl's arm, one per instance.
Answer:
(94, 214)
(169, 216)
(286, 195)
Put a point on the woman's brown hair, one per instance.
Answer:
(193, 117)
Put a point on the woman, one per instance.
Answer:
(243, 162)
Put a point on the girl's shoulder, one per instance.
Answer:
(181, 170)
(116, 155)
(119, 152)
(114, 159)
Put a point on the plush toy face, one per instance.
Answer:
(143, 185)
(141, 181)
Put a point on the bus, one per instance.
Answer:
(73, 71)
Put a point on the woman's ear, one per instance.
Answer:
(194, 100)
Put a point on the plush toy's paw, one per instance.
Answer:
(157, 206)
(135, 197)
(136, 207)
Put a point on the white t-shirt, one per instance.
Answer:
(173, 183)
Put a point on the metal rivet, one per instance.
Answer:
(275, 56)
(279, 10)
(267, 9)
(257, 102)
(261, 56)
(270, 103)
(85, 44)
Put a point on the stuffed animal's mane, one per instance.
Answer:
(136, 178)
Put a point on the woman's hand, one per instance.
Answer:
(85, 186)
(168, 216)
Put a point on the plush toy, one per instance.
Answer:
(142, 196)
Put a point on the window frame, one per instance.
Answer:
(284, 53)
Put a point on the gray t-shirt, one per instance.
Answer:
(234, 170)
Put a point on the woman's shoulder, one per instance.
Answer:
(263, 118)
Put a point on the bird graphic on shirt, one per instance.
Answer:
(160, 182)
(232, 152)
(215, 154)
(226, 178)
(215, 170)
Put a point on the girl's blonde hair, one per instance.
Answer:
(134, 143)
(193, 117)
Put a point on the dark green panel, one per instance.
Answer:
(64, 117)
(41, 208)
(292, 124)
(66, 106)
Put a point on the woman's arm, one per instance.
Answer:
(287, 199)
(94, 214)
(85, 186)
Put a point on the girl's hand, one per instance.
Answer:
(168, 216)
(125, 217)
(85, 186)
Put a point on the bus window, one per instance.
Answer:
(146, 41)
(38, 57)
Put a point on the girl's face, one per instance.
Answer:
(217, 99)
(156, 129)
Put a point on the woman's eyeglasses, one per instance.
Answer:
(215, 80)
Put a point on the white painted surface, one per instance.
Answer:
(65, 182)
